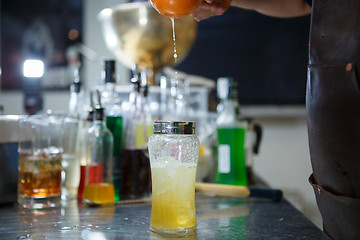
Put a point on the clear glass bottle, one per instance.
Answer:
(174, 153)
(99, 187)
(135, 160)
(110, 98)
(71, 163)
(175, 94)
(231, 135)
(84, 126)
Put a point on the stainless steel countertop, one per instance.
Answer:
(217, 218)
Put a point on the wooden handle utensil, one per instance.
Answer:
(238, 191)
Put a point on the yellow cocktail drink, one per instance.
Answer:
(173, 199)
(174, 153)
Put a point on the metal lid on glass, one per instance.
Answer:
(174, 127)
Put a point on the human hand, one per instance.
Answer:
(210, 8)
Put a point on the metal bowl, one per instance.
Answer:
(137, 34)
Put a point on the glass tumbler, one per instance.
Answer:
(39, 161)
(174, 152)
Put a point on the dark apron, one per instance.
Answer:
(333, 113)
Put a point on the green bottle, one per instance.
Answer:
(231, 134)
(115, 125)
(111, 101)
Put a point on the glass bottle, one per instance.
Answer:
(175, 103)
(114, 121)
(135, 160)
(110, 98)
(99, 187)
(231, 134)
(84, 126)
(70, 163)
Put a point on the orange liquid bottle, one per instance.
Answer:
(99, 187)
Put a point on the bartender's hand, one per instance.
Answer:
(210, 8)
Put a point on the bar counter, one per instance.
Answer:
(217, 218)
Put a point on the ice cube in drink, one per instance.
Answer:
(39, 175)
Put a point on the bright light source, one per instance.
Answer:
(106, 12)
(33, 68)
(143, 19)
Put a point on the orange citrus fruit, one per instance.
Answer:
(175, 8)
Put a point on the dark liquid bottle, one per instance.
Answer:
(136, 174)
(135, 165)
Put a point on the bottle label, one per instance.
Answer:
(224, 158)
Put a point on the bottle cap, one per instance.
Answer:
(109, 70)
(76, 87)
(99, 114)
(174, 127)
(90, 116)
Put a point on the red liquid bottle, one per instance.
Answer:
(99, 187)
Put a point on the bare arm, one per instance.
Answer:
(274, 8)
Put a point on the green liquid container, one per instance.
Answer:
(111, 101)
(231, 133)
(231, 156)
(115, 125)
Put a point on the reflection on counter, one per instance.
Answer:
(218, 217)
